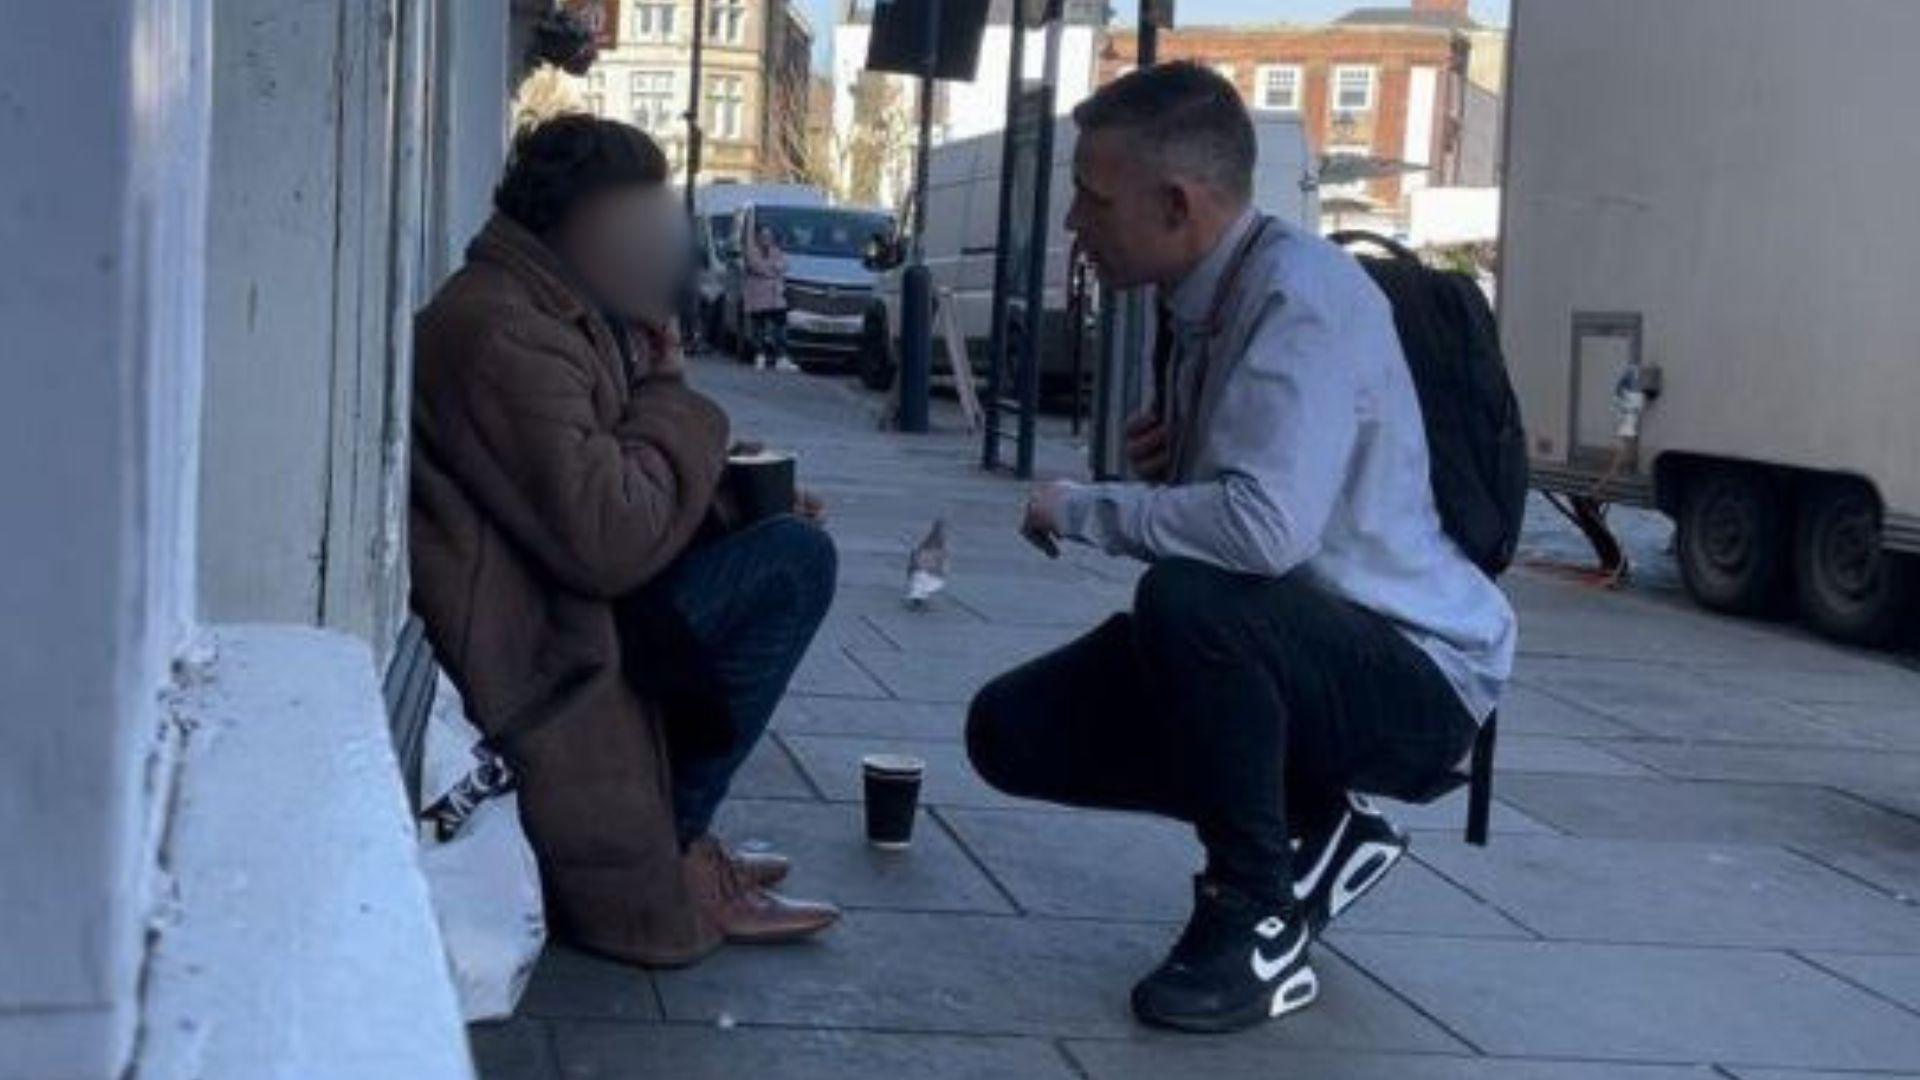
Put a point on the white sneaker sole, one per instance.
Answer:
(1370, 863)
(1300, 990)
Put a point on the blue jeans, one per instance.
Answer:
(754, 600)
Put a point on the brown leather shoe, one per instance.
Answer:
(746, 913)
(762, 868)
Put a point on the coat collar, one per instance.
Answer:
(509, 245)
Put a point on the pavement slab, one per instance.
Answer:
(1642, 1003)
(1707, 841)
(833, 861)
(1001, 976)
(1218, 1060)
(1700, 810)
(520, 1048)
(1676, 893)
(711, 1052)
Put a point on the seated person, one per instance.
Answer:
(560, 464)
(1306, 630)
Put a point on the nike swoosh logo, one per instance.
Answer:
(1268, 970)
(1305, 886)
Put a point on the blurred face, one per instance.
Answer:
(628, 245)
(1122, 213)
(766, 237)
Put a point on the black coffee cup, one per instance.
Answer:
(763, 485)
(893, 794)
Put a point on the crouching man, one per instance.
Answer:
(1306, 630)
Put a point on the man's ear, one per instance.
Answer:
(1176, 202)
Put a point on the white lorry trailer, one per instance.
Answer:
(1710, 287)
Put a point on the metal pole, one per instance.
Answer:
(693, 98)
(1149, 35)
(1037, 272)
(916, 285)
(998, 345)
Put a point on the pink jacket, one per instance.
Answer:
(765, 286)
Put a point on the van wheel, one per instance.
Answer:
(1851, 588)
(875, 364)
(1732, 540)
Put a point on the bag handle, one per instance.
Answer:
(1352, 238)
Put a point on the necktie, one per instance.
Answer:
(1163, 342)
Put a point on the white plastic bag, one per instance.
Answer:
(484, 878)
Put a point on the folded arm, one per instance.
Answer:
(1282, 436)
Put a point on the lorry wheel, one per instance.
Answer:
(1732, 540)
(875, 362)
(1851, 588)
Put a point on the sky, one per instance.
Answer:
(823, 14)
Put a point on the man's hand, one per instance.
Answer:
(1149, 447)
(1045, 521)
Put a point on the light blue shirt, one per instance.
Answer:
(1300, 446)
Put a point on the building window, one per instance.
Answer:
(726, 107)
(597, 93)
(653, 20)
(1353, 89)
(727, 22)
(653, 101)
(1277, 88)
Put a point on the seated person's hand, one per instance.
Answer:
(809, 506)
(1149, 448)
(659, 342)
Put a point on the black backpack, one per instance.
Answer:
(1475, 442)
(1477, 447)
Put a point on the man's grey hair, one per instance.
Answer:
(1187, 116)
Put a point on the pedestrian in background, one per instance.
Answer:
(765, 295)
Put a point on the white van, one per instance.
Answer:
(963, 193)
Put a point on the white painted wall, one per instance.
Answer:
(336, 198)
(100, 230)
(471, 128)
(270, 299)
(1422, 97)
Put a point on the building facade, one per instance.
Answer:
(755, 60)
(212, 258)
(1383, 86)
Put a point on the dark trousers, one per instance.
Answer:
(754, 600)
(1238, 704)
(770, 332)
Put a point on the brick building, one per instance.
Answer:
(1384, 84)
(755, 60)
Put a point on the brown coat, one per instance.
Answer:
(547, 482)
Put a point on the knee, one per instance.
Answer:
(989, 747)
(808, 556)
(1179, 599)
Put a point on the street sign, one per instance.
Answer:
(898, 44)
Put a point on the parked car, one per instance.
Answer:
(829, 287)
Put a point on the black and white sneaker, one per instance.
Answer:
(1338, 863)
(1238, 962)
